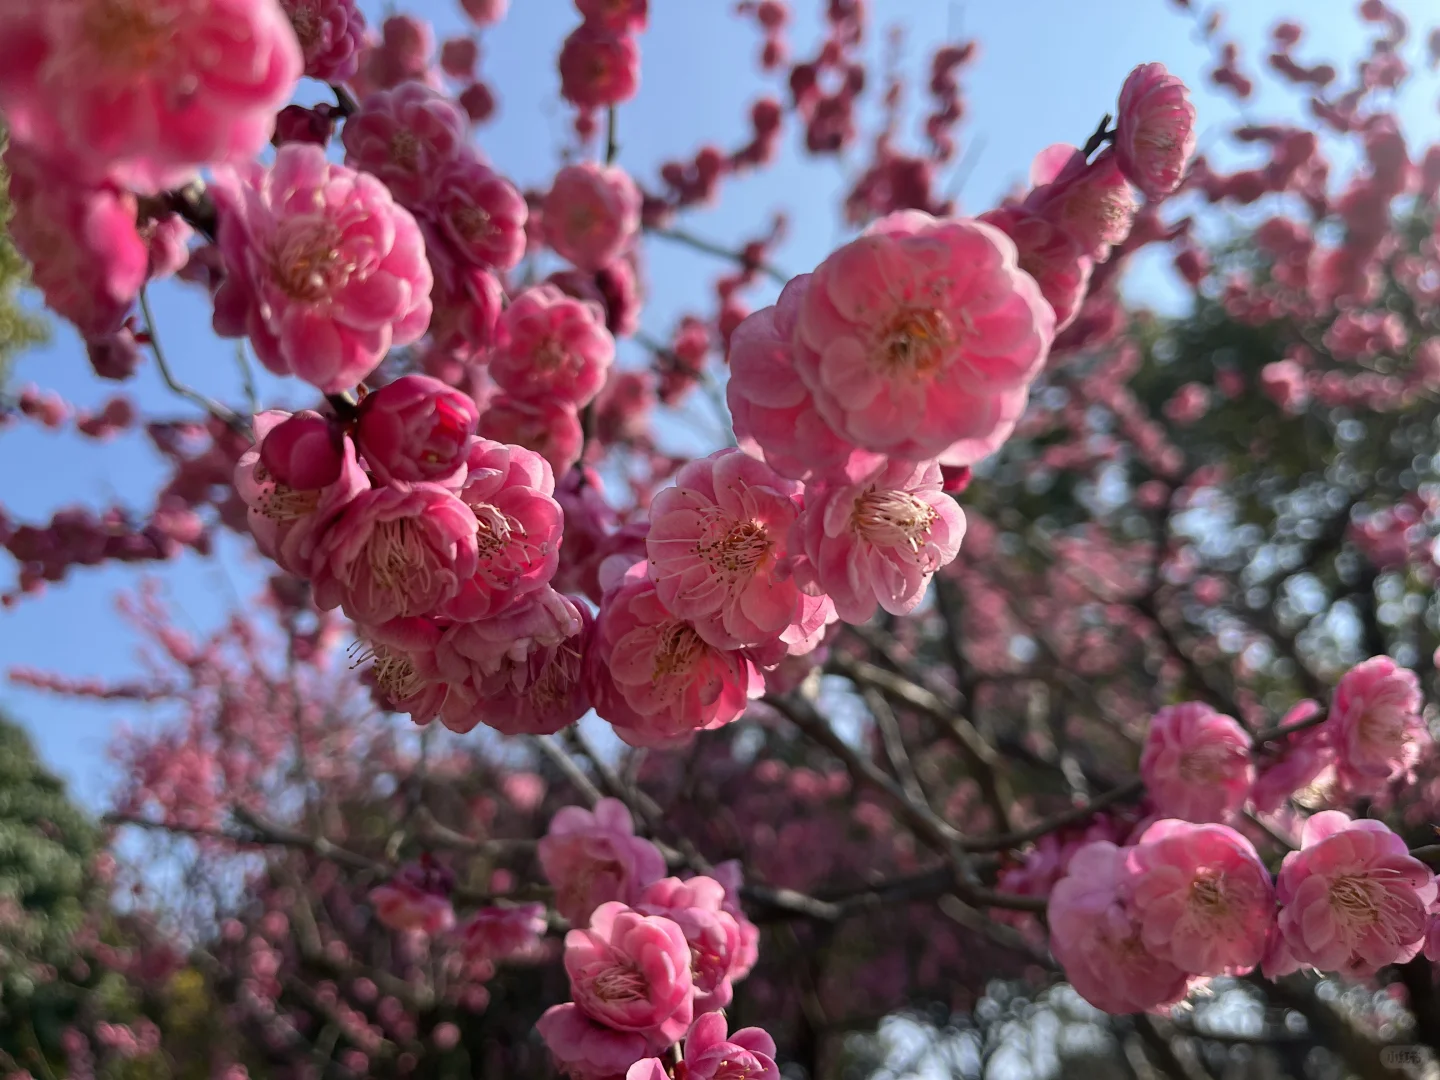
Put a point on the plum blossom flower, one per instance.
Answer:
(1089, 200)
(1201, 896)
(331, 33)
(592, 214)
(1154, 130)
(324, 272)
(730, 876)
(403, 666)
(586, 1050)
(696, 906)
(518, 526)
(1300, 760)
(550, 427)
(403, 136)
(1196, 763)
(878, 540)
(479, 212)
(631, 972)
(485, 12)
(710, 1054)
(1352, 899)
(85, 252)
(543, 693)
(395, 552)
(416, 428)
(145, 93)
(304, 452)
(592, 857)
(717, 547)
(551, 347)
(289, 523)
(417, 898)
(653, 676)
(1099, 942)
(909, 336)
(1049, 254)
(773, 413)
(500, 933)
(621, 16)
(599, 68)
(1375, 723)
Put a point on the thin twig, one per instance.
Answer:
(214, 408)
(612, 136)
(689, 239)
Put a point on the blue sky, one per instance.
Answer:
(1047, 71)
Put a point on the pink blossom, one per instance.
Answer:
(404, 136)
(1154, 130)
(501, 933)
(416, 428)
(1050, 255)
(395, 552)
(549, 427)
(653, 676)
(717, 548)
(1188, 404)
(518, 526)
(1098, 942)
(1201, 897)
(331, 33)
(417, 898)
(592, 214)
(1284, 383)
(479, 212)
(468, 300)
(878, 540)
(1196, 763)
(773, 413)
(620, 16)
(730, 877)
(908, 337)
(404, 53)
(710, 1054)
(586, 1050)
(1375, 723)
(599, 68)
(696, 906)
(550, 347)
(324, 272)
(1352, 899)
(1090, 200)
(592, 857)
(404, 667)
(145, 94)
(1302, 757)
(631, 972)
(85, 252)
(167, 240)
(289, 524)
(304, 452)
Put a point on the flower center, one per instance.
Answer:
(1207, 764)
(552, 685)
(505, 549)
(679, 648)
(131, 35)
(306, 21)
(916, 344)
(739, 552)
(895, 519)
(280, 502)
(473, 224)
(1382, 727)
(1207, 896)
(306, 262)
(397, 554)
(405, 150)
(621, 983)
(395, 674)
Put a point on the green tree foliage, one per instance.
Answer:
(19, 329)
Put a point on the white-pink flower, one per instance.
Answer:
(1196, 763)
(1154, 130)
(1375, 724)
(909, 337)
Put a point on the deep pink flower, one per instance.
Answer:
(1090, 200)
(1284, 383)
(479, 212)
(592, 214)
(417, 898)
(1050, 255)
(145, 93)
(592, 857)
(396, 551)
(289, 524)
(631, 972)
(1154, 130)
(773, 413)
(404, 136)
(586, 1050)
(1301, 758)
(1376, 726)
(85, 252)
(1201, 896)
(331, 33)
(731, 877)
(878, 540)
(696, 906)
(908, 336)
(404, 53)
(711, 1054)
(620, 16)
(324, 272)
(304, 452)
(653, 676)
(598, 68)
(1098, 942)
(717, 548)
(416, 428)
(167, 242)
(551, 347)
(468, 300)
(1196, 763)
(509, 491)
(403, 666)
(500, 933)
(549, 427)
(1352, 899)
